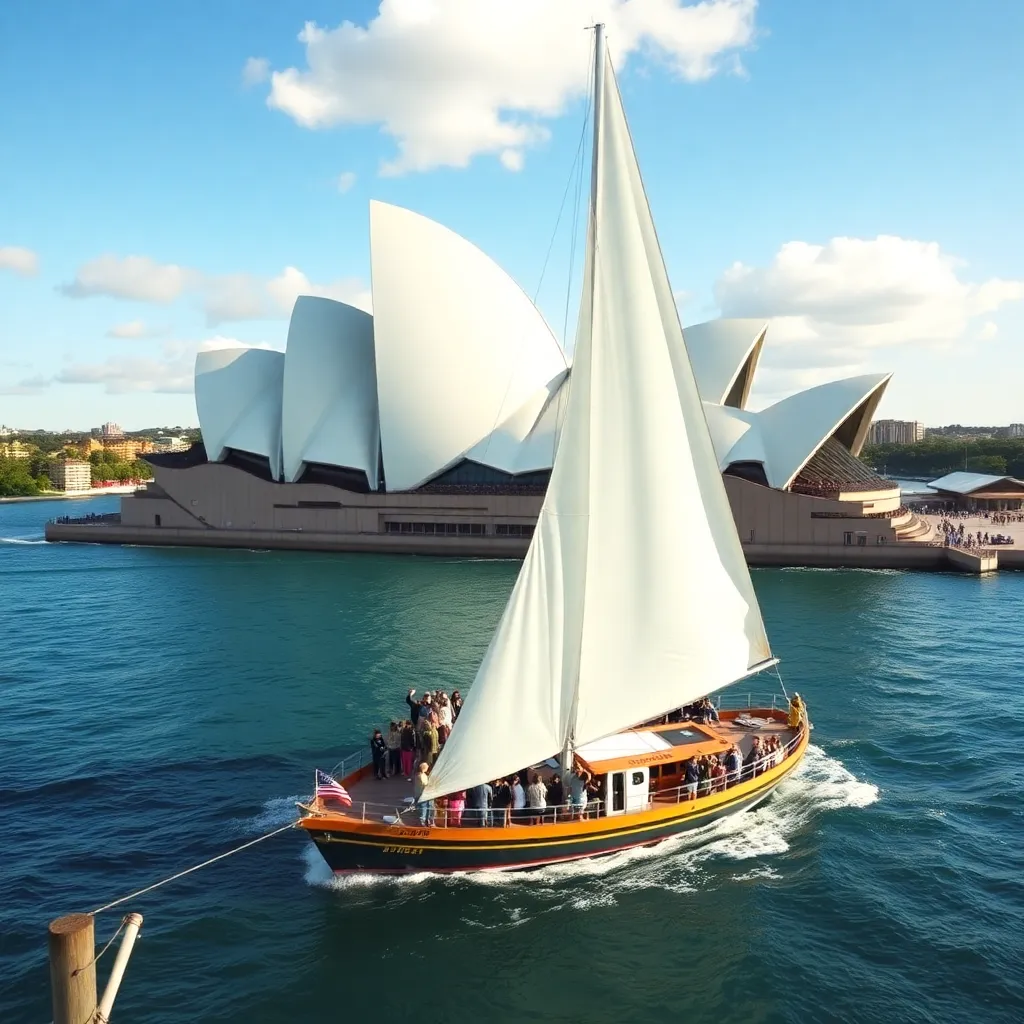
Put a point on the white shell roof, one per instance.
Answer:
(459, 346)
(329, 409)
(720, 350)
(735, 435)
(795, 428)
(457, 363)
(238, 399)
(527, 440)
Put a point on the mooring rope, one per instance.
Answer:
(188, 871)
(95, 959)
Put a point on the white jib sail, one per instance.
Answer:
(634, 597)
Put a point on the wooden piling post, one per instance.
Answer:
(72, 942)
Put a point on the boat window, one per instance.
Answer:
(655, 771)
(618, 791)
(638, 778)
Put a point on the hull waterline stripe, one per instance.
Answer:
(525, 864)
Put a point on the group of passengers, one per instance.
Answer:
(714, 773)
(702, 711)
(418, 738)
(508, 801)
(526, 797)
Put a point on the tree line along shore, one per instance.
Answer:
(936, 456)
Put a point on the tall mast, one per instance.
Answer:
(598, 108)
(598, 118)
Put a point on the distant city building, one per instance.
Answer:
(957, 430)
(1016, 430)
(169, 443)
(126, 449)
(6, 431)
(896, 432)
(71, 475)
(111, 430)
(16, 450)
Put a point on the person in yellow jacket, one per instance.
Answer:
(797, 711)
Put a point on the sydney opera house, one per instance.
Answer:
(430, 426)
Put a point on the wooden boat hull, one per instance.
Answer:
(353, 847)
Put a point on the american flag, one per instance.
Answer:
(328, 787)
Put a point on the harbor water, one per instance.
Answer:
(160, 706)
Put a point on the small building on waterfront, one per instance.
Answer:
(980, 492)
(71, 475)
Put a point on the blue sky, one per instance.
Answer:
(850, 170)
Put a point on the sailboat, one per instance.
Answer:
(633, 604)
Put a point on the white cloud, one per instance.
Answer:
(131, 329)
(131, 277)
(255, 71)
(224, 297)
(452, 79)
(833, 306)
(28, 386)
(988, 331)
(345, 181)
(19, 260)
(168, 372)
(234, 297)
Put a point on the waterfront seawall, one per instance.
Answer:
(906, 555)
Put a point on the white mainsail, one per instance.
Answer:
(634, 597)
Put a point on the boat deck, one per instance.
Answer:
(395, 794)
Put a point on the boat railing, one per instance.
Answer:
(352, 763)
(730, 701)
(406, 814)
(727, 701)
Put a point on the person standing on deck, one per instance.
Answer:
(408, 748)
(691, 776)
(429, 744)
(734, 763)
(578, 792)
(394, 749)
(456, 805)
(796, 711)
(518, 798)
(479, 798)
(536, 799)
(501, 804)
(425, 807)
(379, 752)
(414, 706)
(556, 796)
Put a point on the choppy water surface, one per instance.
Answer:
(160, 706)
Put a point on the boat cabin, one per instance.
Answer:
(633, 766)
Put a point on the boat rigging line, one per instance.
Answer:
(188, 871)
(573, 178)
